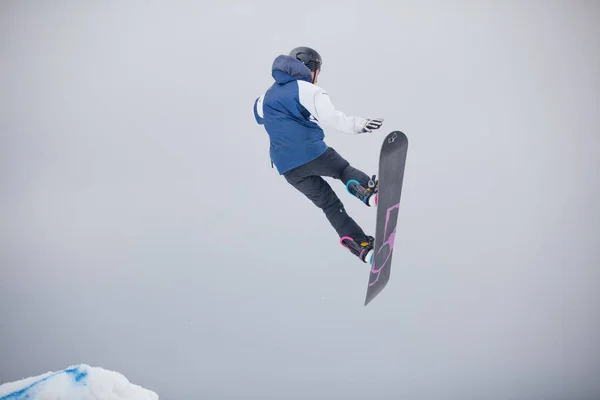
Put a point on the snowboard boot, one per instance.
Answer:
(368, 195)
(363, 250)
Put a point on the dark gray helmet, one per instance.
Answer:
(308, 57)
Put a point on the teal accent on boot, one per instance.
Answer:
(348, 185)
(359, 191)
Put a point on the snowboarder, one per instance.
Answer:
(294, 111)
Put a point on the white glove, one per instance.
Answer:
(372, 124)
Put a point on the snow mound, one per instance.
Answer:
(80, 382)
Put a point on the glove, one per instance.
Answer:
(372, 124)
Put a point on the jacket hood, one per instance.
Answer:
(286, 69)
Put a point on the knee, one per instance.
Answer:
(332, 205)
(325, 199)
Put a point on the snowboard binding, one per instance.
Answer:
(368, 195)
(363, 250)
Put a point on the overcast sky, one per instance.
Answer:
(144, 231)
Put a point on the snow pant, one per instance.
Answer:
(308, 180)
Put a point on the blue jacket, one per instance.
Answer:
(293, 111)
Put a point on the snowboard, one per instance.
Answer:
(392, 160)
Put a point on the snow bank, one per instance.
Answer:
(80, 382)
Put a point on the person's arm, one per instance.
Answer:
(327, 114)
(258, 110)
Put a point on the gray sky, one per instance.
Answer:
(143, 230)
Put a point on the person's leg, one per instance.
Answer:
(322, 195)
(332, 164)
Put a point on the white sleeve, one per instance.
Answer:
(328, 115)
(258, 110)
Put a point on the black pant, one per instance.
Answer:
(308, 180)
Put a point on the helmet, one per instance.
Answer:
(308, 57)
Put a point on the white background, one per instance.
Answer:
(144, 231)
